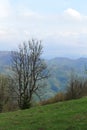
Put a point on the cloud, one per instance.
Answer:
(58, 30)
(5, 9)
(73, 13)
(24, 22)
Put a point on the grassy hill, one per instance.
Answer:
(69, 115)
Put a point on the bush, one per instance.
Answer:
(77, 88)
(57, 98)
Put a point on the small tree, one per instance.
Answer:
(29, 69)
(75, 87)
(4, 91)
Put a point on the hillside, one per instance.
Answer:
(5, 61)
(68, 115)
(60, 70)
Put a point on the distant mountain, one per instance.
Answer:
(5, 61)
(60, 70)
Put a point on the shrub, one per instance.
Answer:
(57, 98)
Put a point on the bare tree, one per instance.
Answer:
(29, 70)
(75, 87)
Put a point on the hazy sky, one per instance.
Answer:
(60, 24)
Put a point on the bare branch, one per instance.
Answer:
(28, 70)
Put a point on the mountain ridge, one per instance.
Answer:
(60, 69)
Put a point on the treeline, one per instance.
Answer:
(76, 88)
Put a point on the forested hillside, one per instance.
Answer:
(60, 71)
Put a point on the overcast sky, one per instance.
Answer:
(60, 24)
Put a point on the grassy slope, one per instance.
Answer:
(69, 115)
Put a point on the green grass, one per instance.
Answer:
(69, 115)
